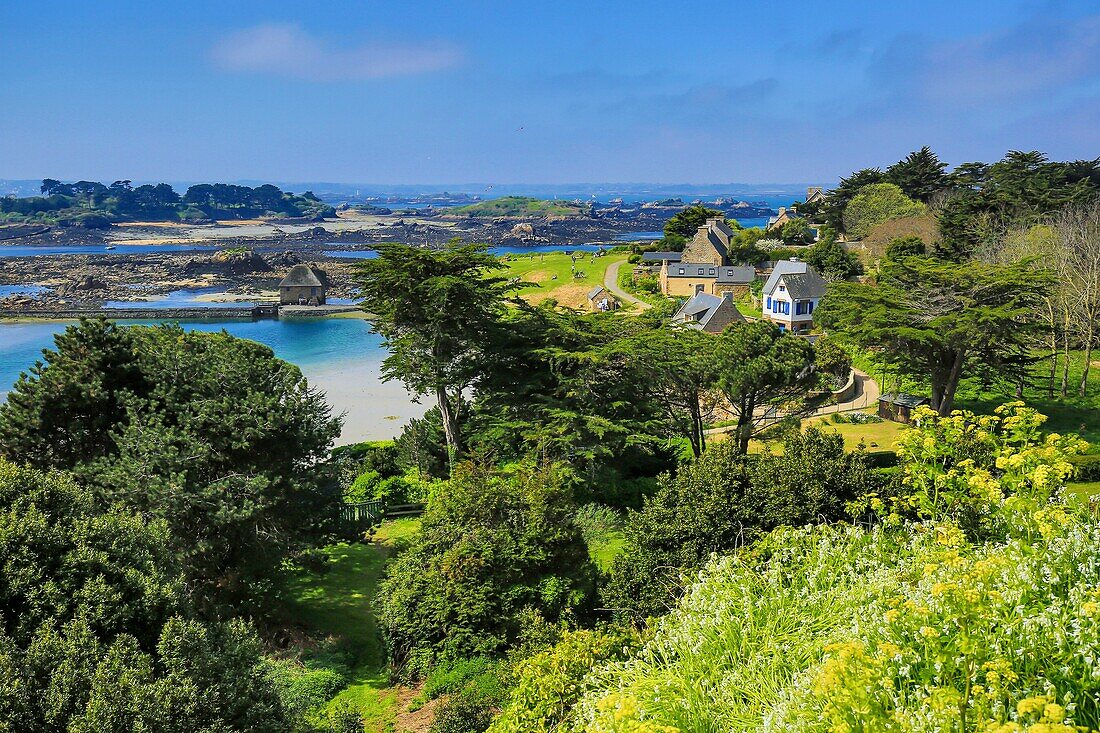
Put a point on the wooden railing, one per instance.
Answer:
(354, 520)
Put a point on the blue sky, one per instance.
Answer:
(546, 92)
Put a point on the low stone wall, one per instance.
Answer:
(169, 314)
(848, 391)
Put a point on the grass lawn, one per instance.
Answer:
(604, 551)
(874, 435)
(550, 275)
(1085, 490)
(336, 605)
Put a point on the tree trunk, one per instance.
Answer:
(744, 425)
(1052, 317)
(698, 437)
(450, 424)
(1065, 364)
(1090, 336)
(952, 385)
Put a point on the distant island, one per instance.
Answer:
(93, 205)
(522, 206)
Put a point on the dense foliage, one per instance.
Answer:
(209, 433)
(903, 626)
(87, 203)
(724, 501)
(97, 632)
(492, 553)
(938, 320)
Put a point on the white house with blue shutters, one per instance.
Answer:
(791, 294)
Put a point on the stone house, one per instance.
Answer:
(709, 313)
(302, 286)
(704, 266)
(602, 300)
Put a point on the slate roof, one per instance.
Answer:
(781, 268)
(595, 291)
(703, 308)
(719, 225)
(743, 274)
(807, 285)
(300, 276)
(661, 256)
(903, 399)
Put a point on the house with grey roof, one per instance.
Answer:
(791, 293)
(602, 300)
(302, 286)
(706, 312)
(704, 266)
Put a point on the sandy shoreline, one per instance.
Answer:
(373, 409)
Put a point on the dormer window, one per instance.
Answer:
(711, 271)
(681, 271)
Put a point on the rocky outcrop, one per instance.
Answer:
(227, 263)
(87, 283)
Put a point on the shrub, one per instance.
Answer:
(1087, 466)
(489, 549)
(875, 204)
(548, 683)
(724, 501)
(363, 488)
(596, 521)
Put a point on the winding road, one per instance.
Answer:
(611, 282)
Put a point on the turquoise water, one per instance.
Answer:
(314, 344)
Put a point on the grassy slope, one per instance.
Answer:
(337, 604)
(518, 206)
(540, 269)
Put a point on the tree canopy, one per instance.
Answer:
(935, 320)
(437, 311)
(209, 433)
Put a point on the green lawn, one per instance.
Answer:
(604, 551)
(1085, 490)
(334, 607)
(550, 275)
(874, 435)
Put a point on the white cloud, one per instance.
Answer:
(288, 50)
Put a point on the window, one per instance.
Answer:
(798, 308)
(681, 271)
(711, 271)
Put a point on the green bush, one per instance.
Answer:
(725, 500)
(1087, 467)
(548, 683)
(301, 689)
(490, 549)
(363, 488)
(596, 521)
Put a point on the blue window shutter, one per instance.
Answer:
(769, 301)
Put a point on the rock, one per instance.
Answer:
(523, 230)
(318, 232)
(89, 282)
(286, 258)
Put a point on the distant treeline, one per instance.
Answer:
(93, 204)
(972, 203)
